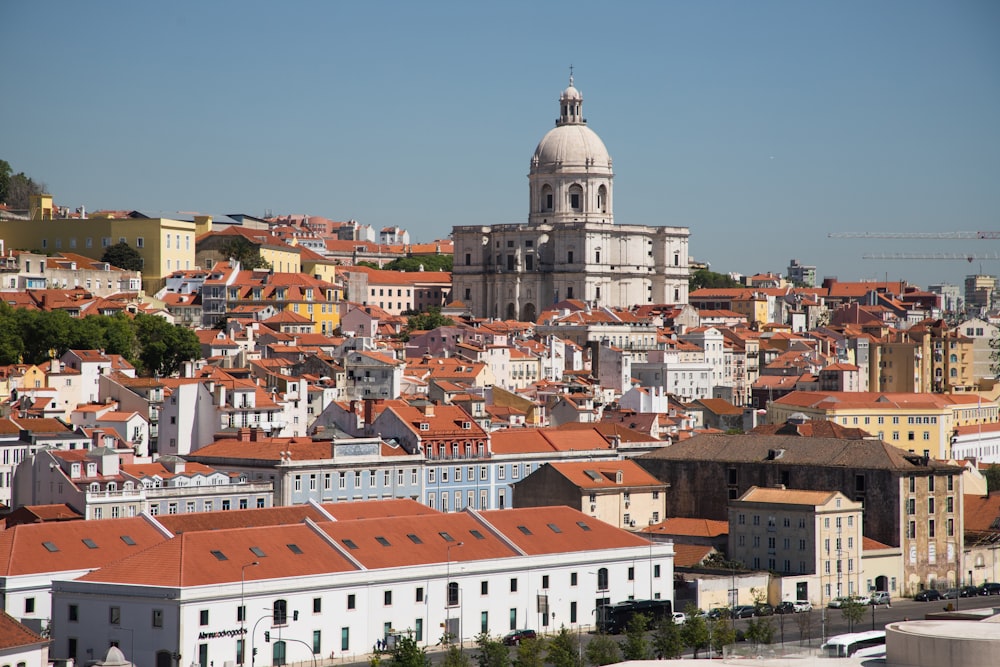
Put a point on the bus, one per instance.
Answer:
(614, 618)
(855, 644)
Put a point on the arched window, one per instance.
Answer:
(452, 594)
(602, 199)
(954, 372)
(546, 202)
(280, 612)
(576, 198)
(602, 579)
(112, 486)
(953, 358)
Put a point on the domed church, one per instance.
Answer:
(570, 247)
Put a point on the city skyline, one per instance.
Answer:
(770, 125)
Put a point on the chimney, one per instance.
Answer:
(243, 434)
(429, 410)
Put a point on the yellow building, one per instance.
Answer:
(165, 245)
(281, 257)
(916, 422)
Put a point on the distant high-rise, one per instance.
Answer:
(800, 274)
(980, 291)
(570, 247)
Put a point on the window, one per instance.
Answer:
(29, 605)
(452, 594)
(602, 579)
(73, 613)
(387, 598)
(279, 611)
(157, 618)
(203, 617)
(420, 594)
(572, 579)
(317, 644)
(484, 588)
(115, 616)
(317, 605)
(513, 585)
(345, 639)
(351, 601)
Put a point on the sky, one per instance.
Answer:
(762, 126)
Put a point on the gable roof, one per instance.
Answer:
(603, 474)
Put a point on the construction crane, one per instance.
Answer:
(968, 257)
(953, 236)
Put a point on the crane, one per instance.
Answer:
(969, 257)
(953, 236)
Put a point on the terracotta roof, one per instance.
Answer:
(868, 544)
(690, 527)
(603, 474)
(526, 441)
(59, 546)
(818, 428)
(531, 530)
(759, 494)
(691, 555)
(982, 513)
(14, 635)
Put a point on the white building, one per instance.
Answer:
(570, 248)
(336, 587)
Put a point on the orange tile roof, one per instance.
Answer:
(690, 527)
(541, 538)
(14, 635)
(690, 555)
(23, 550)
(579, 474)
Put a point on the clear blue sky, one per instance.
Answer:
(760, 125)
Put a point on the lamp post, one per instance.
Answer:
(447, 594)
(243, 610)
(253, 633)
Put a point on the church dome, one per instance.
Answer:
(571, 145)
(571, 93)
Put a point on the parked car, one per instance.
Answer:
(679, 618)
(928, 595)
(718, 612)
(862, 599)
(836, 603)
(763, 609)
(950, 594)
(969, 591)
(515, 637)
(989, 588)
(786, 607)
(743, 611)
(881, 597)
(803, 605)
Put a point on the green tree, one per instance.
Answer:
(245, 252)
(407, 653)
(667, 642)
(992, 474)
(694, 632)
(123, 256)
(529, 653)
(853, 612)
(722, 634)
(118, 337)
(705, 278)
(428, 321)
(603, 650)
(563, 650)
(164, 346)
(16, 189)
(636, 646)
(760, 630)
(428, 262)
(456, 657)
(5, 172)
(492, 652)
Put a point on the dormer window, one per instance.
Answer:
(466, 425)
(618, 477)
(91, 469)
(424, 426)
(74, 470)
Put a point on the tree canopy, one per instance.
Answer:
(429, 262)
(245, 252)
(16, 189)
(123, 256)
(705, 278)
(428, 321)
(148, 342)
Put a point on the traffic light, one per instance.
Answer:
(255, 651)
(295, 615)
(267, 636)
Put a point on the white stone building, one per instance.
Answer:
(570, 247)
(336, 587)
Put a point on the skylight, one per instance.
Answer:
(294, 548)
(257, 551)
(554, 528)
(381, 540)
(350, 544)
(524, 529)
(415, 539)
(219, 555)
(583, 525)
(128, 540)
(91, 544)
(50, 546)
(476, 534)
(446, 537)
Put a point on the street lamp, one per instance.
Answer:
(243, 610)
(447, 594)
(253, 633)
